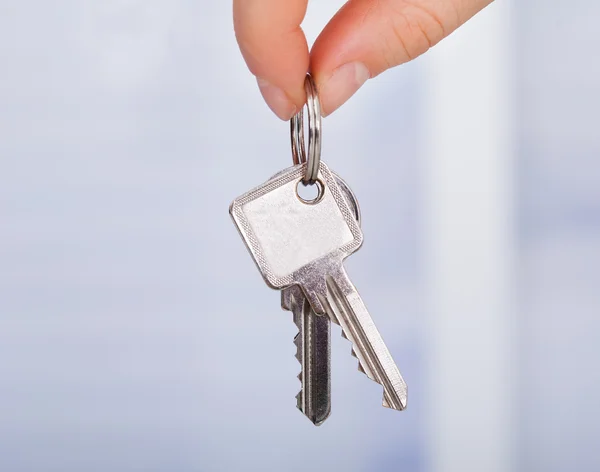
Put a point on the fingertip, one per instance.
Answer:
(280, 72)
(276, 99)
(368, 37)
(337, 87)
(275, 50)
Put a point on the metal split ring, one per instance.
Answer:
(299, 154)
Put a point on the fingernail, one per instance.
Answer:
(277, 100)
(343, 83)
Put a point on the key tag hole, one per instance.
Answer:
(310, 194)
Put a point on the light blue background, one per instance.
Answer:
(136, 333)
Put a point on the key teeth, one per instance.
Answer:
(298, 356)
(353, 354)
(298, 337)
(298, 344)
(346, 312)
(361, 368)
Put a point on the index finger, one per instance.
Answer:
(275, 49)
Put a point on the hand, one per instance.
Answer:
(362, 40)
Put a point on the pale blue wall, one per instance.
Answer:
(135, 331)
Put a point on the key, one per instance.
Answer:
(313, 341)
(294, 241)
(313, 353)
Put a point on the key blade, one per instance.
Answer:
(313, 353)
(346, 308)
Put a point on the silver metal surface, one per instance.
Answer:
(344, 188)
(297, 138)
(346, 308)
(314, 354)
(286, 236)
(305, 244)
(313, 342)
(299, 155)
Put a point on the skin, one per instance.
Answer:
(364, 38)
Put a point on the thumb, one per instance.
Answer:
(366, 37)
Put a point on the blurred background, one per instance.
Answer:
(136, 333)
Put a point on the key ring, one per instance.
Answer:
(299, 154)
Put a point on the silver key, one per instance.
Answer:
(297, 242)
(314, 354)
(313, 341)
